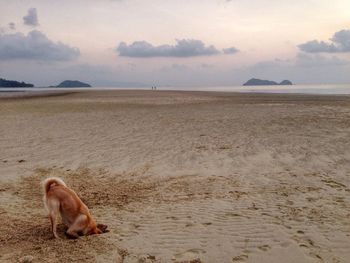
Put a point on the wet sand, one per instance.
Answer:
(179, 176)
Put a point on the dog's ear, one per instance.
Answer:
(103, 228)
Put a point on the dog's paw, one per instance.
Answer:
(69, 236)
(103, 228)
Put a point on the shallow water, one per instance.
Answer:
(326, 89)
(306, 89)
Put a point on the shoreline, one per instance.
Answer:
(313, 89)
(47, 93)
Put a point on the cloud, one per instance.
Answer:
(306, 60)
(340, 42)
(230, 50)
(35, 46)
(182, 48)
(205, 65)
(316, 46)
(31, 19)
(179, 66)
(302, 61)
(12, 26)
(342, 39)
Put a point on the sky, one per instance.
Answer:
(175, 43)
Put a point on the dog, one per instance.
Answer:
(59, 199)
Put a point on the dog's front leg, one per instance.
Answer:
(78, 226)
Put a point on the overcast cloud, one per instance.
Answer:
(31, 19)
(84, 37)
(340, 42)
(36, 46)
(12, 26)
(230, 50)
(182, 48)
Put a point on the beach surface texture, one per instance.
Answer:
(179, 176)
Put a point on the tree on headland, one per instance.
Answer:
(14, 84)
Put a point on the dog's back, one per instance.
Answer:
(56, 191)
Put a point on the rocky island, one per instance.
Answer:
(262, 82)
(72, 84)
(14, 84)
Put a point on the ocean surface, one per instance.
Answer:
(293, 89)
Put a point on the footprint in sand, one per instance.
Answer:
(240, 258)
(190, 254)
(264, 247)
(333, 184)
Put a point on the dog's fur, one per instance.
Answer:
(59, 199)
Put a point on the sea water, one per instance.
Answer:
(329, 89)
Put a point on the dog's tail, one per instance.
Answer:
(48, 182)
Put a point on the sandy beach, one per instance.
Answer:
(179, 176)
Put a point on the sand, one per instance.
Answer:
(179, 176)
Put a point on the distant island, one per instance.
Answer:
(262, 82)
(72, 84)
(14, 84)
(286, 82)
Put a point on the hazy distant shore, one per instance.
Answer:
(314, 89)
(179, 176)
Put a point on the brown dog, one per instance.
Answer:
(58, 198)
